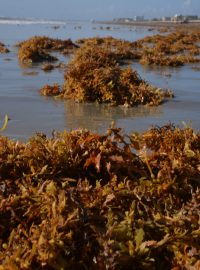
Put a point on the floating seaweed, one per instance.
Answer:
(82, 200)
(3, 48)
(49, 66)
(48, 90)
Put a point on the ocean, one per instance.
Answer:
(30, 113)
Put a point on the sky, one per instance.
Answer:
(97, 10)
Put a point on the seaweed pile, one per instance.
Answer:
(173, 49)
(50, 90)
(36, 49)
(94, 74)
(3, 48)
(81, 200)
(122, 49)
(50, 66)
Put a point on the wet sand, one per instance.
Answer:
(157, 24)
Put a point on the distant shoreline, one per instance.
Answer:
(193, 24)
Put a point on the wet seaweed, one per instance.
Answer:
(173, 49)
(122, 50)
(95, 75)
(3, 48)
(81, 200)
(48, 90)
(37, 48)
(50, 66)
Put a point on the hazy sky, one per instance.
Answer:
(101, 9)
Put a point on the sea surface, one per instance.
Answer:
(30, 113)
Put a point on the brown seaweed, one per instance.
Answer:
(94, 75)
(48, 90)
(88, 201)
(36, 49)
(3, 48)
(173, 49)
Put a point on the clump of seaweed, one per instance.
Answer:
(88, 201)
(94, 75)
(48, 90)
(36, 49)
(3, 48)
(49, 66)
(173, 49)
(121, 49)
(161, 59)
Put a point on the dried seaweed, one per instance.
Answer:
(88, 201)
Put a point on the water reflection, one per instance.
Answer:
(97, 117)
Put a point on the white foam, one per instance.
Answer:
(27, 22)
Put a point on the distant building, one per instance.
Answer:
(128, 20)
(184, 18)
(177, 18)
(123, 20)
(191, 17)
(166, 19)
(139, 18)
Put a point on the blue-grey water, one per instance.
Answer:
(30, 113)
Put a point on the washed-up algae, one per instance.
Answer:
(50, 66)
(173, 49)
(82, 200)
(3, 48)
(94, 74)
(38, 48)
(50, 90)
(122, 49)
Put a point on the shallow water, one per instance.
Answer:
(30, 113)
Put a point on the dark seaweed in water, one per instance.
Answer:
(3, 48)
(48, 90)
